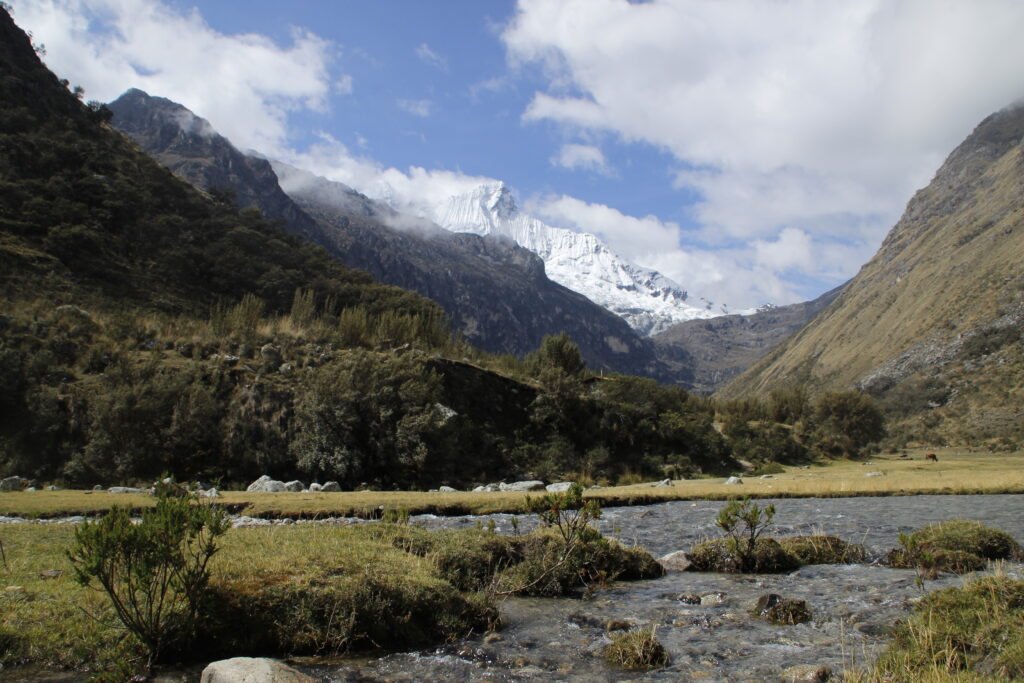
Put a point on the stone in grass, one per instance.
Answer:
(517, 486)
(776, 609)
(636, 650)
(733, 481)
(253, 670)
(295, 486)
(331, 487)
(446, 489)
(559, 486)
(266, 485)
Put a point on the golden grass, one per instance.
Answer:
(956, 472)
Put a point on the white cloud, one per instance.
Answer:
(416, 107)
(428, 56)
(586, 157)
(788, 118)
(343, 85)
(244, 84)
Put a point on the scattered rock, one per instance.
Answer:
(97, 487)
(689, 599)
(51, 573)
(663, 483)
(126, 489)
(733, 481)
(617, 625)
(209, 493)
(266, 485)
(270, 355)
(779, 610)
(559, 487)
(815, 673)
(285, 368)
(295, 486)
(446, 489)
(875, 474)
(488, 488)
(331, 487)
(678, 561)
(767, 476)
(518, 486)
(51, 487)
(716, 598)
(253, 670)
(314, 487)
(14, 483)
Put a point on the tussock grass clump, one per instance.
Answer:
(976, 631)
(636, 650)
(821, 549)
(545, 569)
(768, 557)
(957, 546)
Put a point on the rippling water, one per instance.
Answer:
(853, 605)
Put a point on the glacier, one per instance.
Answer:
(649, 301)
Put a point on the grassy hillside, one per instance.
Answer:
(931, 324)
(147, 326)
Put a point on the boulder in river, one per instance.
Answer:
(678, 561)
(253, 670)
(776, 609)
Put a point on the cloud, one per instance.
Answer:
(428, 56)
(787, 118)
(416, 107)
(586, 157)
(245, 85)
(343, 85)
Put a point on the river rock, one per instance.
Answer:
(295, 486)
(266, 485)
(779, 610)
(732, 481)
(14, 483)
(331, 487)
(517, 486)
(816, 673)
(678, 561)
(253, 670)
(559, 486)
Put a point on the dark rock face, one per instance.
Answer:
(189, 146)
(704, 355)
(495, 291)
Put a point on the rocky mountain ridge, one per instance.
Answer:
(649, 301)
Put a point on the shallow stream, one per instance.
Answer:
(853, 605)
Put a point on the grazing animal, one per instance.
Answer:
(932, 457)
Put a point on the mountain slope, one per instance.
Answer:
(918, 315)
(496, 292)
(646, 299)
(703, 355)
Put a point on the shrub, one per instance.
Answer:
(637, 650)
(155, 573)
(766, 557)
(743, 522)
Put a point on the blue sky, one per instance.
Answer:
(752, 151)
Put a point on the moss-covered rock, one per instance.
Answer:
(776, 609)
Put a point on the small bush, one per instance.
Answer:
(154, 572)
(636, 650)
(820, 549)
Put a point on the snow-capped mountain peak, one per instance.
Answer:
(646, 299)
